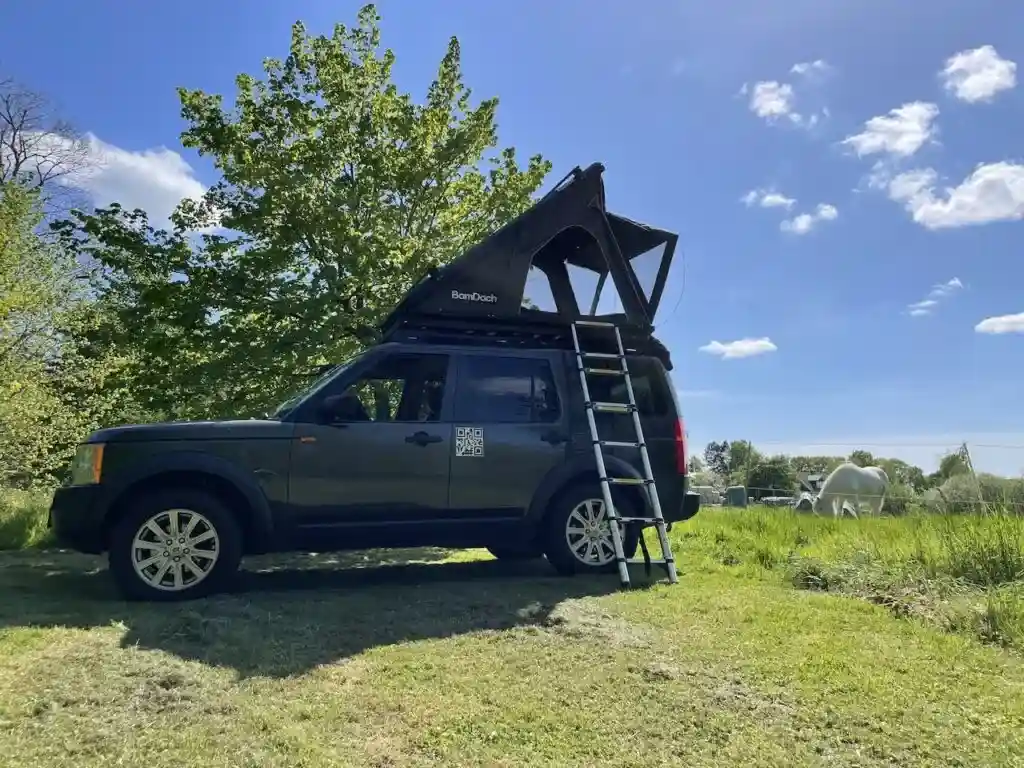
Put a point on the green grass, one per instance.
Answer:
(964, 573)
(425, 657)
(23, 519)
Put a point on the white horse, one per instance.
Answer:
(853, 484)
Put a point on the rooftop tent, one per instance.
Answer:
(566, 233)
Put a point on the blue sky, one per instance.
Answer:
(705, 128)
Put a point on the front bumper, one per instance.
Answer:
(76, 517)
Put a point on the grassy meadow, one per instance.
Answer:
(790, 640)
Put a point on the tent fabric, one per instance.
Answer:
(568, 226)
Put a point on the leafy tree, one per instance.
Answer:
(742, 456)
(338, 193)
(770, 476)
(815, 464)
(695, 465)
(862, 458)
(951, 465)
(716, 457)
(48, 389)
(902, 473)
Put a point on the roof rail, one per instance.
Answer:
(523, 334)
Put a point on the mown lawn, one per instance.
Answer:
(427, 658)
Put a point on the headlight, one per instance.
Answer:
(87, 466)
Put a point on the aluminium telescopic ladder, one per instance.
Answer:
(647, 481)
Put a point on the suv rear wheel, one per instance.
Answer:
(174, 545)
(577, 535)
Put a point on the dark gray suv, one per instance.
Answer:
(464, 425)
(406, 445)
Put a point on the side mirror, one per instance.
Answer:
(328, 409)
(339, 408)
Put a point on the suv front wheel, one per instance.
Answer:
(577, 535)
(174, 545)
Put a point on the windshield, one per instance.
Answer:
(285, 408)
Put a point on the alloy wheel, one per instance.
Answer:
(588, 533)
(175, 549)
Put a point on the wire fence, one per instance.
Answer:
(963, 499)
(949, 447)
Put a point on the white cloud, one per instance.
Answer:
(946, 288)
(155, 180)
(1001, 324)
(805, 222)
(773, 100)
(808, 67)
(767, 199)
(731, 350)
(901, 132)
(922, 308)
(993, 192)
(978, 74)
(938, 293)
(801, 224)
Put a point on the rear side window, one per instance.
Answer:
(506, 390)
(650, 385)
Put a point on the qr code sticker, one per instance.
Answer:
(469, 441)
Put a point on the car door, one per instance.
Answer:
(377, 449)
(509, 432)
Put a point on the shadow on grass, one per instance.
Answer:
(289, 614)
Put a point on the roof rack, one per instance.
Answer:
(522, 333)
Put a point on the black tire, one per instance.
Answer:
(225, 551)
(511, 552)
(556, 545)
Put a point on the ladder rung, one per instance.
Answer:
(627, 480)
(602, 355)
(612, 407)
(593, 323)
(619, 444)
(648, 520)
(641, 561)
(605, 371)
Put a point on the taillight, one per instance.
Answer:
(680, 447)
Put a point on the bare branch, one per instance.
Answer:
(37, 148)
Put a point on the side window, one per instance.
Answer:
(506, 390)
(649, 386)
(398, 388)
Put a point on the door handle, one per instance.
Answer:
(422, 438)
(553, 436)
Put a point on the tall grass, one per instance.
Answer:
(983, 550)
(965, 572)
(23, 519)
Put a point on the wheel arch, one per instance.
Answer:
(238, 492)
(580, 470)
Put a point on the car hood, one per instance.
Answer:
(240, 429)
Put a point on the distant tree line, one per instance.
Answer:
(740, 463)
